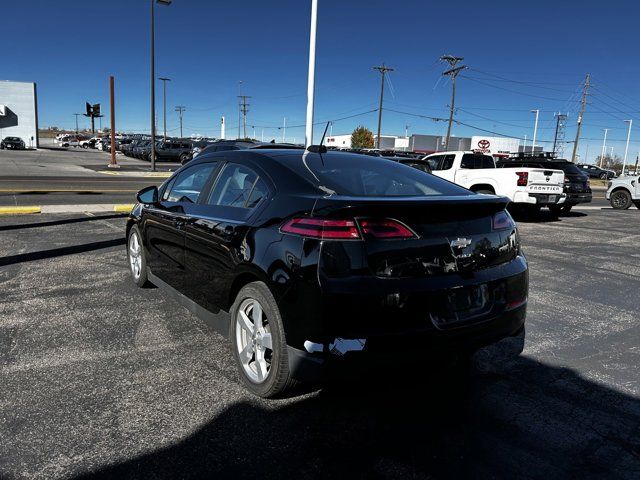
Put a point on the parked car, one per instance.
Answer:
(172, 151)
(229, 145)
(576, 182)
(306, 259)
(624, 192)
(596, 172)
(530, 188)
(13, 143)
(422, 165)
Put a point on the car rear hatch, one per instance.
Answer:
(421, 236)
(431, 262)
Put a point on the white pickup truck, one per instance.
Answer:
(528, 187)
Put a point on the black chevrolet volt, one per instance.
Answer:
(308, 258)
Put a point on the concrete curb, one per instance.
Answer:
(88, 208)
(19, 210)
(136, 174)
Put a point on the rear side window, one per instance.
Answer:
(189, 183)
(472, 161)
(238, 186)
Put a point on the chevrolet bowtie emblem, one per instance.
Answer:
(460, 243)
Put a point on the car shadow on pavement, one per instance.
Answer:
(65, 221)
(58, 252)
(513, 418)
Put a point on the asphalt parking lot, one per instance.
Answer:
(103, 380)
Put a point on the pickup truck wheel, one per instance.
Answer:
(85, 146)
(620, 200)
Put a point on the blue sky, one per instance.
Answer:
(522, 56)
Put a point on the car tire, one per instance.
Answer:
(184, 158)
(560, 209)
(264, 371)
(137, 258)
(620, 199)
(85, 146)
(604, 176)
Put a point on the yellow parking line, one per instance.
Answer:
(142, 174)
(124, 208)
(18, 210)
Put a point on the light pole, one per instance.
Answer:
(535, 132)
(308, 133)
(524, 148)
(284, 128)
(626, 148)
(604, 146)
(153, 81)
(164, 104)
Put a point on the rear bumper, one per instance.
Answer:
(576, 198)
(539, 198)
(436, 345)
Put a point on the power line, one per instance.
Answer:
(513, 91)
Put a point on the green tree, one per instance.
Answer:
(362, 137)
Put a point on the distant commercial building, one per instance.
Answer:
(387, 142)
(496, 146)
(19, 111)
(435, 143)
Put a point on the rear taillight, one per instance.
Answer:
(385, 228)
(503, 221)
(523, 178)
(322, 228)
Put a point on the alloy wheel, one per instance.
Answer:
(619, 200)
(253, 340)
(135, 255)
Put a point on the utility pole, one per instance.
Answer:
(164, 102)
(244, 109)
(180, 109)
(604, 146)
(524, 148)
(559, 136)
(626, 148)
(535, 132)
(284, 128)
(453, 73)
(76, 114)
(383, 71)
(239, 108)
(112, 100)
(583, 105)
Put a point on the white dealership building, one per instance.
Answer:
(19, 111)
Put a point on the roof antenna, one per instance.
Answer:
(320, 148)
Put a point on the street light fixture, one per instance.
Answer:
(164, 103)
(153, 81)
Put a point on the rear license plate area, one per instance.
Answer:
(462, 305)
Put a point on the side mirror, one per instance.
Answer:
(148, 195)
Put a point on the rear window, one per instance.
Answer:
(469, 160)
(365, 176)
